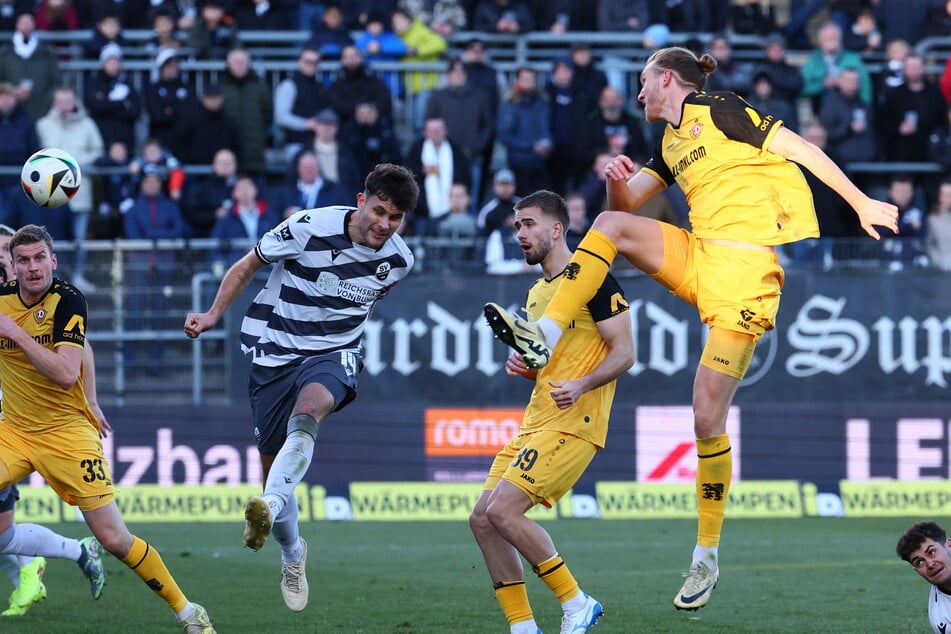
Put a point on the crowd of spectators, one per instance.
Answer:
(475, 137)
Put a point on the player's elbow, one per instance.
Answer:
(66, 380)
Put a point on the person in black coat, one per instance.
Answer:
(209, 198)
(167, 101)
(112, 100)
(309, 189)
(369, 139)
(18, 132)
(355, 85)
(208, 129)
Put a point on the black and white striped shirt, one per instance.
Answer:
(321, 290)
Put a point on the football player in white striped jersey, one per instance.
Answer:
(304, 331)
(926, 547)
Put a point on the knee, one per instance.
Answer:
(117, 543)
(478, 522)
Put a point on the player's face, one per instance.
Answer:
(374, 221)
(534, 233)
(34, 265)
(932, 561)
(650, 94)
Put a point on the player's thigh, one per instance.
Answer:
(72, 462)
(16, 452)
(640, 240)
(548, 464)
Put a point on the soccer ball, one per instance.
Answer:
(51, 177)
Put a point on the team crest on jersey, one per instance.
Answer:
(695, 130)
(383, 271)
(39, 315)
(327, 283)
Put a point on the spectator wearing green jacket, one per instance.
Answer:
(423, 45)
(821, 72)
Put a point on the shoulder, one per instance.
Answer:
(69, 294)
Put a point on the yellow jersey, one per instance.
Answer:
(578, 352)
(736, 188)
(31, 401)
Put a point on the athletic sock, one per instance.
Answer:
(554, 572)
(40, 541)
(513, 597)
(147, 563)
(287, 532)
(582, 278)
(714, 471)
(289, 466)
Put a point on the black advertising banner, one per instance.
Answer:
(850, 335)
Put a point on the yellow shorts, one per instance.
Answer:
(544, 464)
(733, 289)
(70, 459)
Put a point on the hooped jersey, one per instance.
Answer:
(736, 188)
(321, 290)
(31, 401)
(939, 610)
(578, 353)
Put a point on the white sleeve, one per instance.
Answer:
(285, 241)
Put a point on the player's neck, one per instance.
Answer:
(556, 261)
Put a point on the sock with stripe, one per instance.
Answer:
(147, 563)
(554, 572)
(714, 472)
(513, 597)
(582, 278)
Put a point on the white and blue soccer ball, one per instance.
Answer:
(51, 177)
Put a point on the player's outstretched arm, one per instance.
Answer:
(232, 285)
(871, 212)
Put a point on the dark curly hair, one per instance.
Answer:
(913, 537)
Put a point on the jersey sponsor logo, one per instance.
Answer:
(39, 315)
(383, 271)
(330, 284)
(762, 123)
(687, 160)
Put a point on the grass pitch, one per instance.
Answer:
(807, 575)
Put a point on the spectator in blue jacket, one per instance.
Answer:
(380, 44)
(525, 130)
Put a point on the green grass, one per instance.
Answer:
(808, 575)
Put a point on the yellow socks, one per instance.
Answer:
(513, 597)
(714, 471)
(146, 562)
(585, 273)
(556, 576)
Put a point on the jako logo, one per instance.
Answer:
(470, 432)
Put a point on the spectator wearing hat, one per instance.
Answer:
(524, 127)
(334, 158)
(168, 99)
(297, 100)
(355, 85)
(112, 100)
(503, 16)
(501, 205)
(786, 78)
(214, 33)
(469, 118)
(18, 132)
(31, 66)
(623, 15)
(249, 102)
(208, 129)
